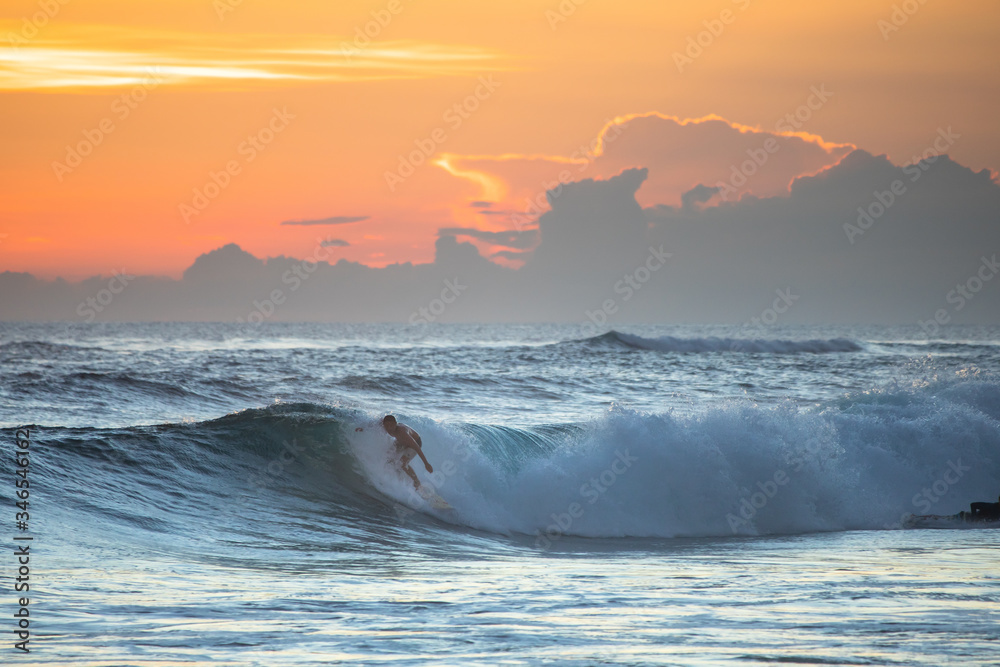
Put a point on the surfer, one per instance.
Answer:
(407, 443)
(985, 511)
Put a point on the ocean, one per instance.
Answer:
(199, 494)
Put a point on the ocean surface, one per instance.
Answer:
(651, 495)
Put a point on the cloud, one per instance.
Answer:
(699, 194)
(511, 255)
(680, 154)
(595, 230)
(859, 240)
(522, 240)
(335, 220)
(832, 240)
(335, 243)
(71, 56)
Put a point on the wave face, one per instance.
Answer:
(860, 462)
(735, 345)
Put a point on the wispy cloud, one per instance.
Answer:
(512, 255)
(335, 220)
(335, 243)
(102, 57)
(511, 238)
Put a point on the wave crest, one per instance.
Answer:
(734, 345)
(861, 462)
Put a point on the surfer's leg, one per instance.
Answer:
(404, 464)
(409, 471)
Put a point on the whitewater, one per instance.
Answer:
(221, 493)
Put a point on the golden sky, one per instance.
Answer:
(139, 135)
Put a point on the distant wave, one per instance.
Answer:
(109, 382)
(735, 345)
(42, 349)
(861, 462)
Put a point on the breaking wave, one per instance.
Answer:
(857, 463)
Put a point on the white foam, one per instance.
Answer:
(738, 469)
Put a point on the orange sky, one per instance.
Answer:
(164, 93)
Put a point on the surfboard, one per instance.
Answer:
(436, 501)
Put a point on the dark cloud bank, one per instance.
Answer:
(862, 241)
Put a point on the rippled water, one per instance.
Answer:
(200, 494)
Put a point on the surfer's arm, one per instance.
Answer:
(416, 447)
(423, 458)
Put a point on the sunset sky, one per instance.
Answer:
(141, 135)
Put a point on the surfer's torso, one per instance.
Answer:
(404, 444)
